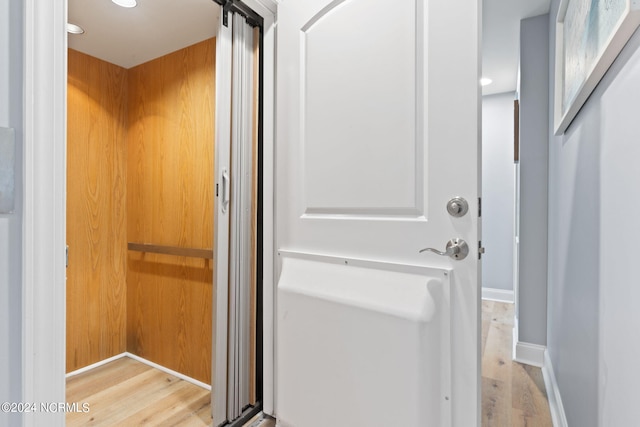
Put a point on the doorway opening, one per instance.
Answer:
(142, 219)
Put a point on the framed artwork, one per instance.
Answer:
(589, 36)
(516, 131)
(7, 169)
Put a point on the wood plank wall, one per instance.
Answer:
(170, 202)
(140, 169)
(96, 210)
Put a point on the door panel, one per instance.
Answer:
(338, 176)
(341, 83)
(378, 128)
(343, 323)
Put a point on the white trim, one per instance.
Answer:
(141, 360)
(556, 408)
(268, 10)
(514, 337)
(95, 365)
(43, 298)
(523, 352)
(500, 295)
(168, 371)
(43, 270)
(529, 354)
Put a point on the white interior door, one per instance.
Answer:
(378, 108)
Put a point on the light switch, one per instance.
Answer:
(7, 169)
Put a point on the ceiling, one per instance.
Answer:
(501, 40)
(128, 37)
(132, 36)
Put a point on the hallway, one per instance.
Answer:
(513, 394)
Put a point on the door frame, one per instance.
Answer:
(44, 219)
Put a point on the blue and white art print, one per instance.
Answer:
(7, 170)
(590, 34)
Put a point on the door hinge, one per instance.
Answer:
(216, 190)
(479, 207)
(480, 249)
(66, 257)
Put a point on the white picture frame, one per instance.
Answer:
(588, 40)
(7, 170)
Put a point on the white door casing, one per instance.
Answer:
(44, 162)
(378, 109)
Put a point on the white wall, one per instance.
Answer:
(497, 191)
(534, 125)
(11, 224)
(594, 247)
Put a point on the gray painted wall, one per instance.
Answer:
(497, 191)
(11, 224)
(534, 125)
(594, 236)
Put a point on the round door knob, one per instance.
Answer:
(457, 207)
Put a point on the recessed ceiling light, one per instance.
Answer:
(125, 3)
(74, 29)
(485, 81)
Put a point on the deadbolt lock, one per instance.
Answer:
(457, 207)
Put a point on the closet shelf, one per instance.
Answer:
(171, 250)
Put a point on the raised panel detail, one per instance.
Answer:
(378, 323)
(354, 165)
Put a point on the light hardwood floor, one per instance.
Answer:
(126, 392)
(129, 393)
(513, 394)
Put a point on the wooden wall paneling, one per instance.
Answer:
(170, 194)
(96, 210)
(169, 312)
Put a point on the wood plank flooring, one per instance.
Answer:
(129, 393)
(513, 394)
(126, 392)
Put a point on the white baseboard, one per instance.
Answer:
(524, 352)
(141, 360)
(558, 416)
(529, 354)
(514, 339)
(169, 371)
(500, 295)
(95, 365)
